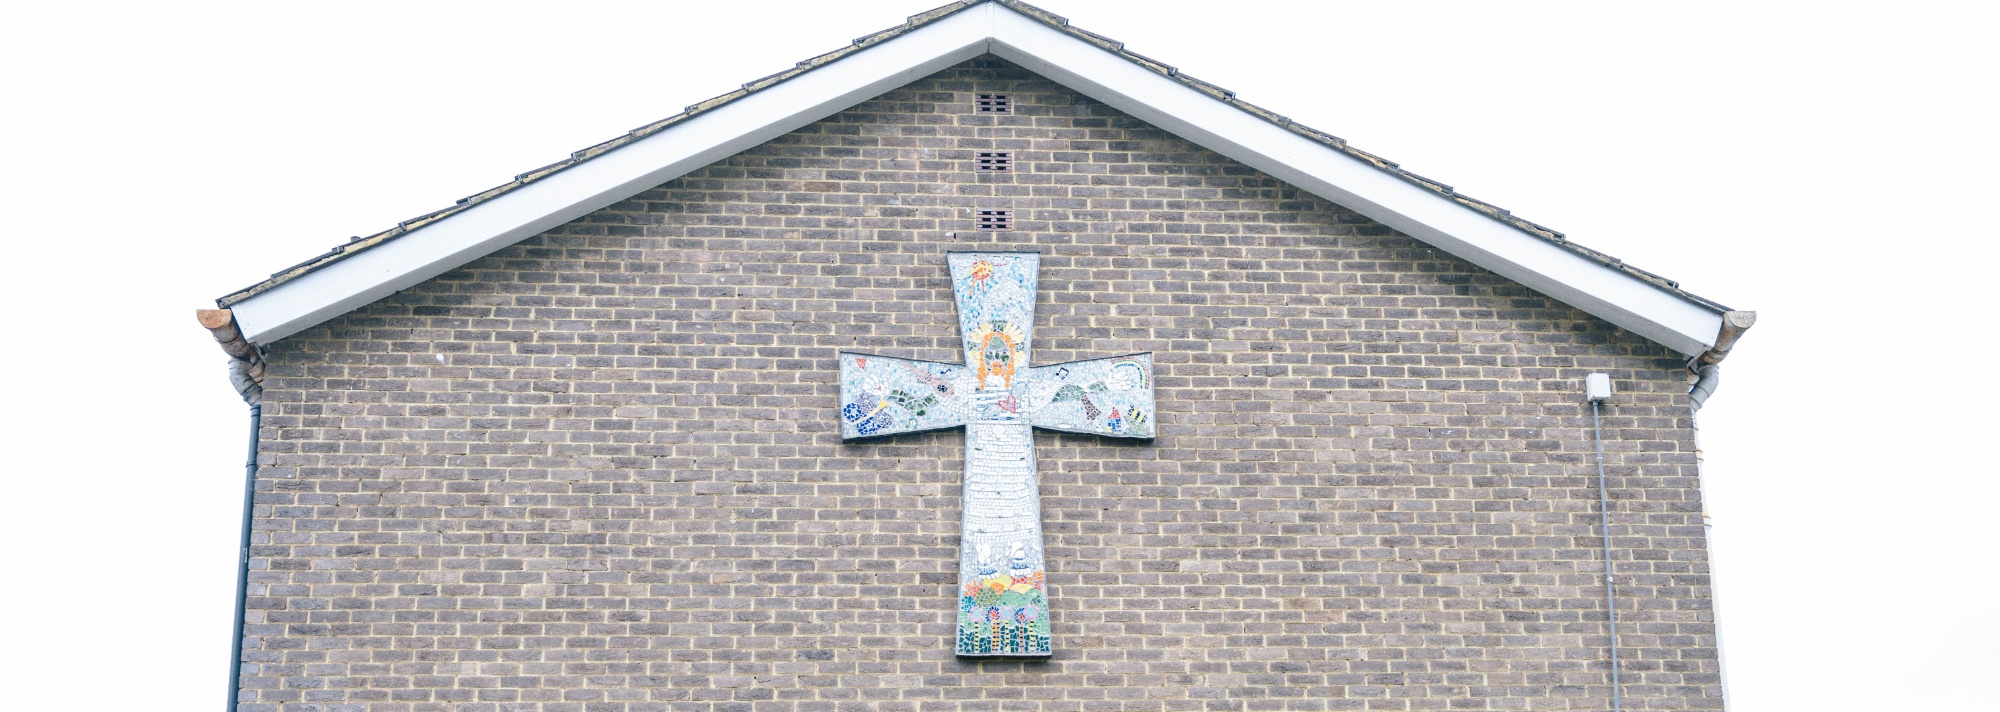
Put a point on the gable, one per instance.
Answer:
(834, 236)
(627, 426)
(374, 267)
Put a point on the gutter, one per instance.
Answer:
(246, 374)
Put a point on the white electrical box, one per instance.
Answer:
(1597, 387)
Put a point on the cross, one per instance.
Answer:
(1003, 607)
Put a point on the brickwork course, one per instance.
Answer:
(601, 470)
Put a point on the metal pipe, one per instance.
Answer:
(241, 376)
(243, 557)
(1610, 589)
(1709, 378)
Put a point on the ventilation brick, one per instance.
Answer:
(993, 103)
(996, 220)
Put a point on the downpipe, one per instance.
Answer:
(1707, 378)
(253, 394)
(1707, 371)
(1604, 525)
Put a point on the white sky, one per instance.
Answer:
(1826, 165)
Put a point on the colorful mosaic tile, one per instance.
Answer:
(998, 396)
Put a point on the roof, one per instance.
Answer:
(368, 268)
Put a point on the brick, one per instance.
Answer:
(622, 487)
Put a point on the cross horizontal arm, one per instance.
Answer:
(883, 395)
(1104, 396)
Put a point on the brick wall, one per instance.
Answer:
(600, 470)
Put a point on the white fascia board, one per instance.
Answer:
(756, 118)
(1586, 284)
(575, 191)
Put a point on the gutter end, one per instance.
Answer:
(246, 361)
(1734, 323)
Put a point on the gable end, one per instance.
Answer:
(371, 268)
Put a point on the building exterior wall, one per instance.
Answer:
(601, 469)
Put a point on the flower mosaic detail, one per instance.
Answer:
(1004, 614)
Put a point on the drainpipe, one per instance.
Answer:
(1597, 389)
(1708, 378)
(246, 375)
(1707, 372)
(252, 394)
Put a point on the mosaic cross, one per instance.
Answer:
(1003, 607)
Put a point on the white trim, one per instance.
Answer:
(1586, 284)
(534, 208)
(1607, 293)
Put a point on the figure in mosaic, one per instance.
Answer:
(1003, 607)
